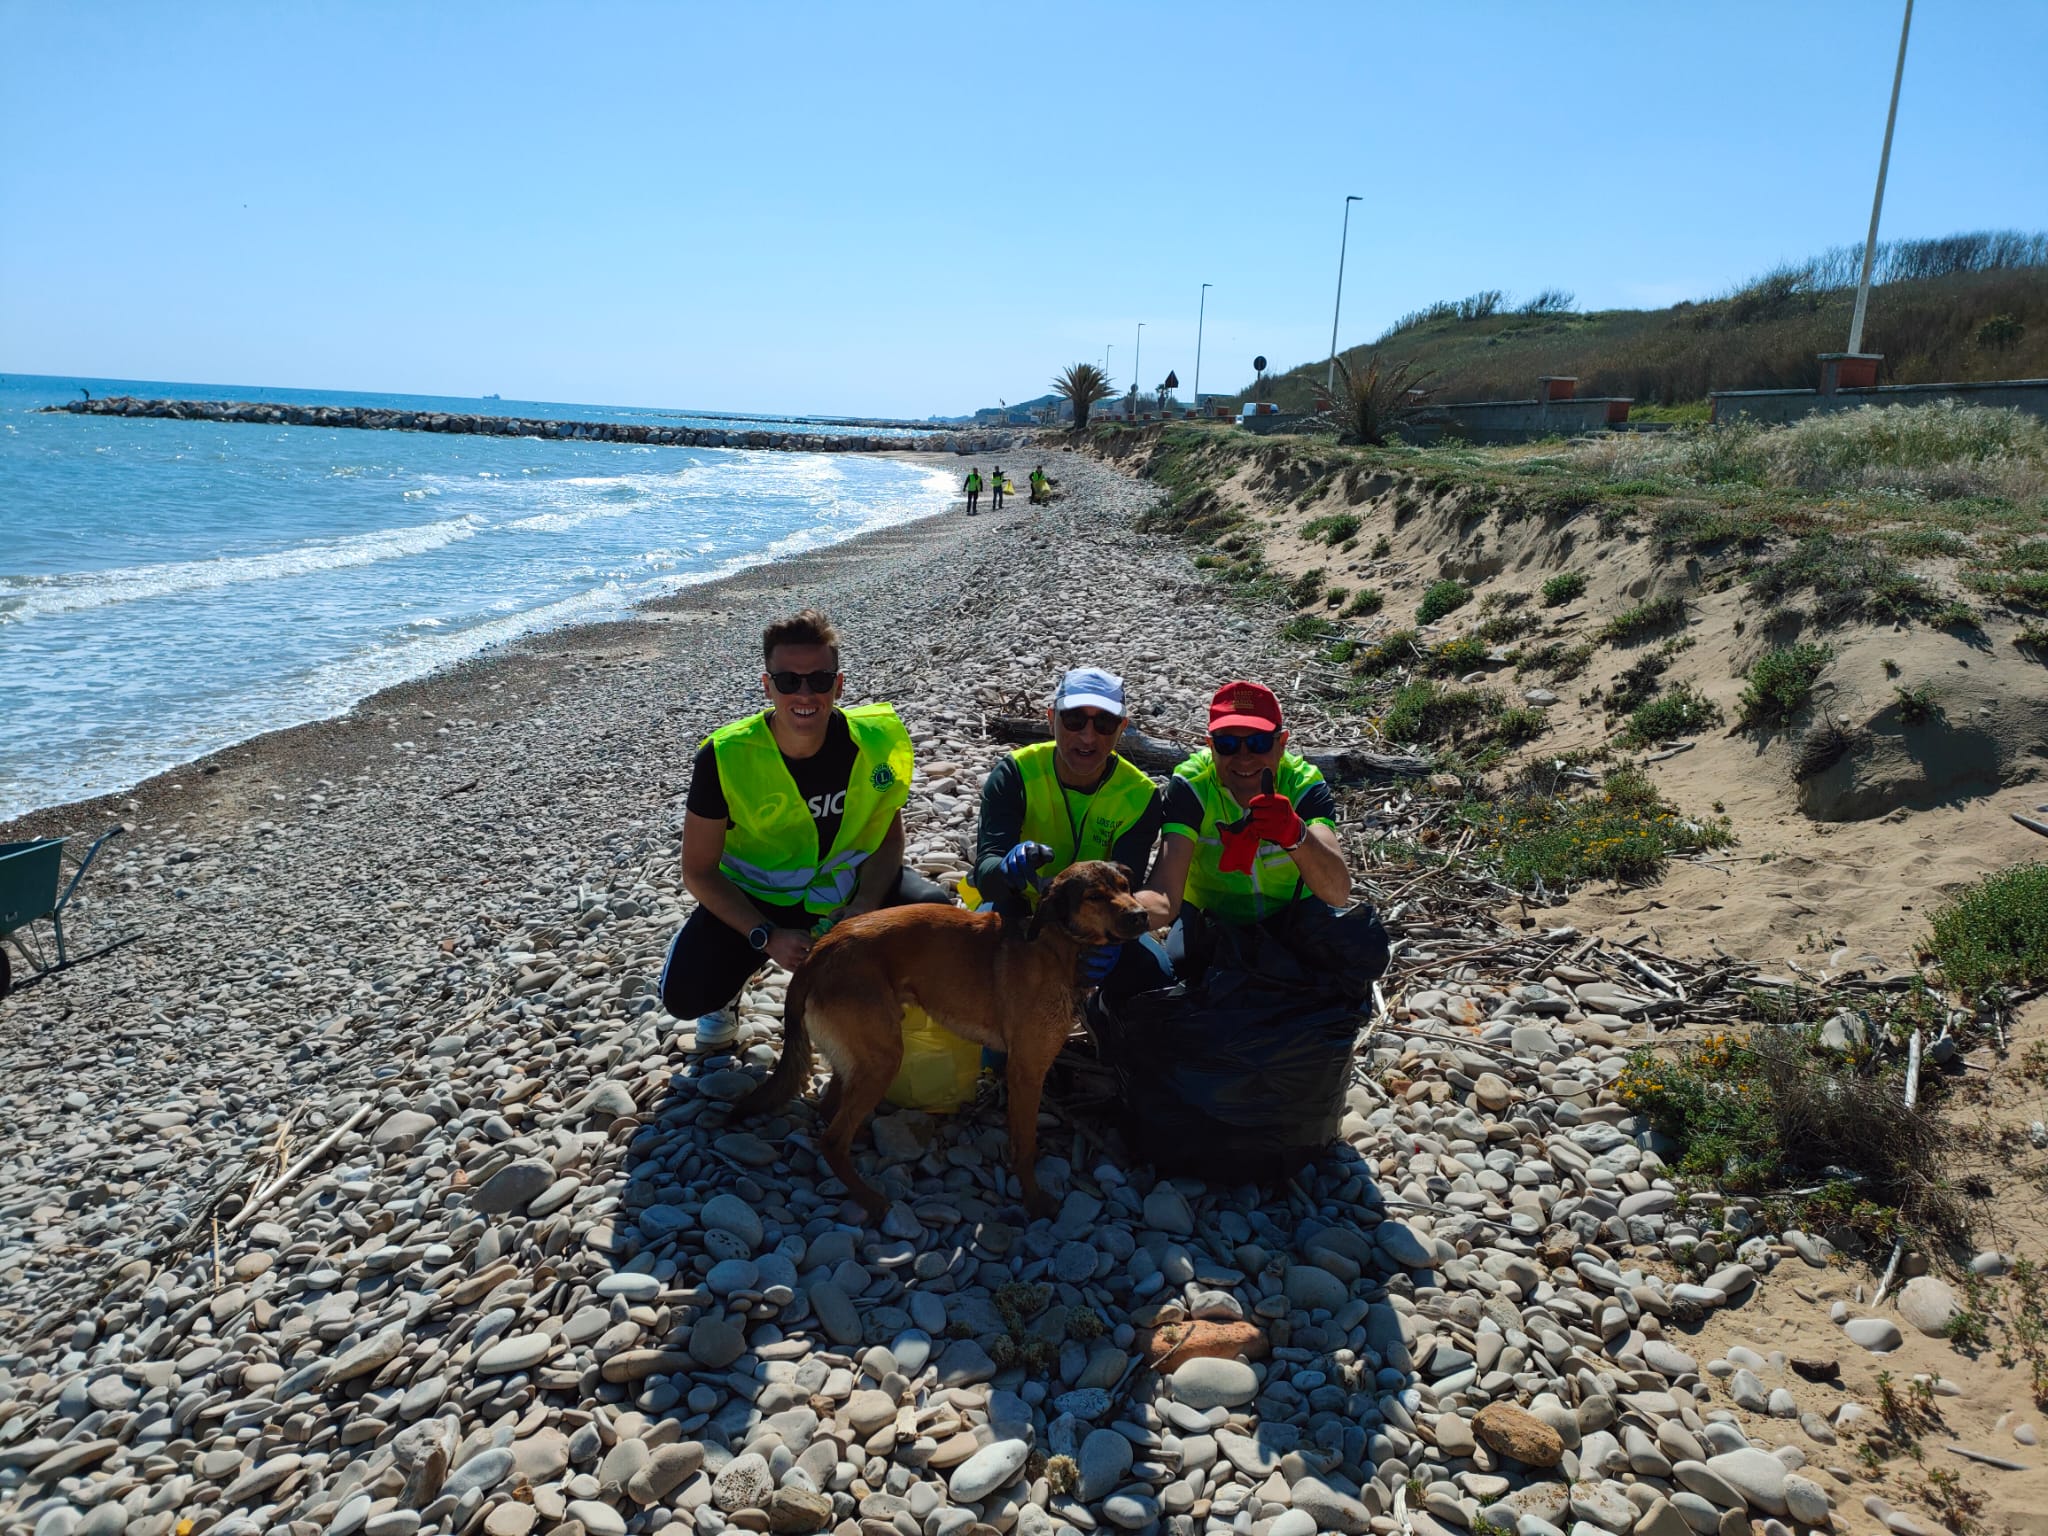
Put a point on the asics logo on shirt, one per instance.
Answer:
(821, 806)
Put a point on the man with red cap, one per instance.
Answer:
(1250, 827)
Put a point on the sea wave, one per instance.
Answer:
(23, 598)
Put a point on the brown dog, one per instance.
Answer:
(1011, 995)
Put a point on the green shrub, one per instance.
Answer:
(1681, 712)
(1332, 528)
(1446, 596)
(1625, 832)
(1424, 711)
(1918, 704)
(1334, 598)
(1364, 603)
(1750, 1111)
(2033, 638)
(1341, 652)
(1563, 587)
(1382, 547)
(1503, 627)
(1996, 932)
(1455, 656)
(1391, 651)
(1847, 576)
(1306, 587)
(1523, 723)
(2024, 589)
(1926, 543)
(1647, 618)
(1305, 627)
(1780, 682)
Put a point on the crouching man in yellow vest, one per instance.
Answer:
(1250, 829)
(1073, 798)
(794, 820)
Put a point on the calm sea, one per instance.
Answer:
(168, 588)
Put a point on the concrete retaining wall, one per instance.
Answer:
(1780, 405)
(377, 420)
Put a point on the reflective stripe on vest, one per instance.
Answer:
(1274, 881)
(771, 839)
(1113, 809)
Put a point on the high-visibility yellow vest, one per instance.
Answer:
(1113, 809)
(1274, 881)
(771, 841)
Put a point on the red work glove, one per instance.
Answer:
(1270, 818)
(1273, 819)
(1240, 847)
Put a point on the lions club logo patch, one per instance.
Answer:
(882, 777)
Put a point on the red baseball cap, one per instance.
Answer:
(1250, 706)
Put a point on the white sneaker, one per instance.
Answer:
(717, 1031)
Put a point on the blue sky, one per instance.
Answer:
(906, 210)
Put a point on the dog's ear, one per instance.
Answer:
(1057, 906)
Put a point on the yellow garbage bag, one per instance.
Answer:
(939, 1069)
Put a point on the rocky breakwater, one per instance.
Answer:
(377, 419)
(523, 1273)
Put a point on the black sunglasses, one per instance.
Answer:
(1254, 742)
(792, 682)
(1089, 719)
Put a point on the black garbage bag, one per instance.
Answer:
(1241, 1076)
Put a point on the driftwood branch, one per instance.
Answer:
(1350, 766)
(283, 1181)
(2031, 824)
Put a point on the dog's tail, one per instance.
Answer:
(793, 1069)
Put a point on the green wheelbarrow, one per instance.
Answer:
(29, 876)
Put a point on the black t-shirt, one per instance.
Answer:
(1184, 807)
(821, 778)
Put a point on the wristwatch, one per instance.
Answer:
(759, 937)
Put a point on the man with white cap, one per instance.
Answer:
(1059, 802)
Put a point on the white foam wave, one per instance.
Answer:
(23, 598)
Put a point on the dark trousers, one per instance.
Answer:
(996, 498)
(708, 963)
(973, 502)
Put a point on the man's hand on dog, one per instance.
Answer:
(788, 946)
(1022, 863)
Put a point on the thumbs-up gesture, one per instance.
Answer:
(1271, 817)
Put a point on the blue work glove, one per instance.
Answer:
(1098, 962)
(1022, 863)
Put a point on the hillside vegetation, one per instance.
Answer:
(1965, 307)
(1800, 639)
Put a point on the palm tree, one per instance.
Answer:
(1081, 385)
(1373, 402)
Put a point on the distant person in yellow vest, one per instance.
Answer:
(995, 490)
(1058, 802)
(1250, 829)
(973, 489)
(1040, 487)
(793, 821)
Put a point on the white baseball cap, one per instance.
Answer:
(1090, 688)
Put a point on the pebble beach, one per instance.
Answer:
(372, 1190)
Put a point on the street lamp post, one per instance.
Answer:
(1201, 314)
(1137, 360)
(1342, 245)
(1884, 161)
